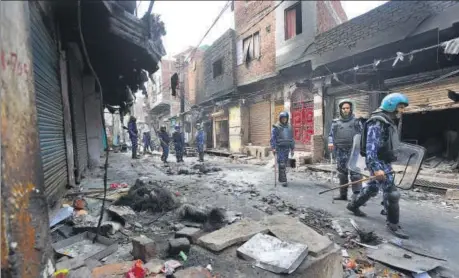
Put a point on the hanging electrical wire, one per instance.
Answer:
(88, 61)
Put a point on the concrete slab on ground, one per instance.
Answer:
(290, 229)
(273, 254)
(328, 265)
(236, 233)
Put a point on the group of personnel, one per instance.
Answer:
(178, 139)
(379, 139)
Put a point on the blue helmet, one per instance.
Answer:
(390, 102)
(283, 115)
(177, 127)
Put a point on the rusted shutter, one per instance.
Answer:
(50, 110)
(260, 123)
(430, 97)
(361, 102)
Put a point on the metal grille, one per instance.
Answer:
(50, 115)
(78, 115)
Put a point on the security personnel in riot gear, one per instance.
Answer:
(179, 143)
(379, 140)
(340, 141)
(165, 140)
(282, 144)
(200, 141)
(133, 135)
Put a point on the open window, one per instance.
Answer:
(293, 21)
(217, 68)
(249, 48)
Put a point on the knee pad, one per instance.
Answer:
(372, 190)
(393, 196)
(282, 166)
(355, 177)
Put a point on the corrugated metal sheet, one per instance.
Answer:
(235, 138)
(431, 97)
(78, 116)
(361, 102)
(49, 105)
(260, 123)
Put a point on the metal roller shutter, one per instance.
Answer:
(50, 115)
(431, 96)
(78, 116)
(361, 101)
(260, 123)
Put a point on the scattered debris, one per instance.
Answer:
(178, 245)
(152, 197)
(395, 256)
(137, 270)
(365, 237)
(189, 232)
(183, 256)
(63, 214)
(143, 248)
(82, 246)
(213, 219)
(273, 254)
(337, 227)
(232, 234)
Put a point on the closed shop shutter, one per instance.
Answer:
(361, 102)
(235, 137)
(430, 97)
(78, 116)
(260, 123)
(50, 115)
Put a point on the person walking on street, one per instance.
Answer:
(379, 140)
(146, 142)
(133, 135)
(200, 140)
(179, 143)
(165, 140)
(340, 141)
(282, 144)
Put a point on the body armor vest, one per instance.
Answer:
(344, 132)
(284, 136)
(390, 138)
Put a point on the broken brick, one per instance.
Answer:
(192, 234)
(193, 272)
(143, 248)
(179, 244)
(452, 194)
(110, 270)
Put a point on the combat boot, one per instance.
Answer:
(342, 194)
(393, 214)
(397, 231)
(355, 204)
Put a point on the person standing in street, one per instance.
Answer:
(282, 144)
(200, 140)
(165, 140)
(340, 141)
(146, 142)
(379, 140)
(179, 143)
(133, 135)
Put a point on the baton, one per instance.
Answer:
(353, 182)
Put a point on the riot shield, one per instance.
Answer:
(406, 167)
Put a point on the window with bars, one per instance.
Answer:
(293, 21)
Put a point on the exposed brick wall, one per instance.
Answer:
(389, 15)
(195, 76)
(247, 14)
(222, 48)
(325, 19)
(167, 70)
(339, 10)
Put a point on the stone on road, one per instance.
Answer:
(189, 232)
(236, 233)
(290, 229)
(143, 248)
(193, 272)
(179, 244)
(273, 254)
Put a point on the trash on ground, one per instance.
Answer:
(137, 270)
(213, 219)
(63, 214)
(337, 227)
(344, 253)
(118, 185)
(170, 266)
(62, 273)
(183, 256)
(395, 256)
(365, 237)
(273, 254)
(82, 246)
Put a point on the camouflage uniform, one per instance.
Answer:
(179, 143)
(133, 135)
(342, 154)
(200, 140)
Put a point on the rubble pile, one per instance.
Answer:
(213, 219)
(318, 219)
(151, 197)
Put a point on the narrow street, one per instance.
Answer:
(432, 223)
